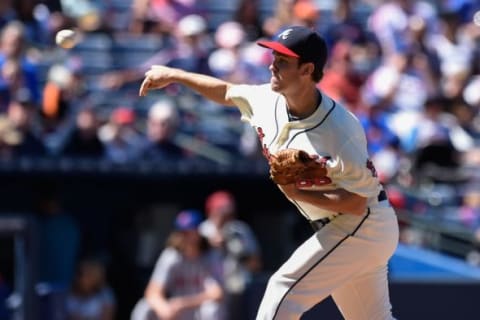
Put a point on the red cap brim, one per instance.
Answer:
(278, 47)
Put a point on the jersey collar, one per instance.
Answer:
(310, 121)
(319, 113)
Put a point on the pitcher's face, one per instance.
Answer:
(285, 72)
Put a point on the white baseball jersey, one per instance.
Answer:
(347, 256)
(331, 132)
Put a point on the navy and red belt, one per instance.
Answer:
(320, 223)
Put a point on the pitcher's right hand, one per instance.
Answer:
(157, 77)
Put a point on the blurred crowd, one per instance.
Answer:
(409, 70)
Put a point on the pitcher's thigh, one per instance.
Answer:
(365, 297)
(299, 285)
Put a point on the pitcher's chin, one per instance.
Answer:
(274, 86)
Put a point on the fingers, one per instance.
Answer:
(147, 84)
(144, 87)
(155, 78)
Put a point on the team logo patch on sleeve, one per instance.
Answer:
(261, 135)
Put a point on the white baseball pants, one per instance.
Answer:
(346, 259)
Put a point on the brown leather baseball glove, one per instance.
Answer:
(292, 165)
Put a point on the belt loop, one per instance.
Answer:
(382, 195)
(320, 223)
(314, 225)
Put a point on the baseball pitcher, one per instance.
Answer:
(317, 153)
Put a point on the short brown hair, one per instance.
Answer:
(317, 73)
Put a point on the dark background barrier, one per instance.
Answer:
(116, 209)
(419, 301)
(118, 212)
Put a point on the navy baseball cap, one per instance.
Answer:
(188, 220)
(299, 42)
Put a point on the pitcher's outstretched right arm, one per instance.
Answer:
(209, 87)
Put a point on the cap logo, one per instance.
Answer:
(285, 34)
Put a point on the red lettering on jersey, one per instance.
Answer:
(261, 135)
(316, 181)
(371, 167)
(309, 183)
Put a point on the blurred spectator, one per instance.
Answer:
(282, 16)
(465, 9)
(7, 12)
(120, 136)
(437, 137)
(25, 12)
(21, 113)
(454, 49)
(62, 90)
(160, 16)
(436, 126)
(344, 24)
(469, 210)
(471, 94)
(182, 286)
(85, 13)
(237, 247)
(90, 296)
(13, 45)
(50, 13)
(291, 12)
(390, 22)
(190, 47)
(225, 61)
(11, 83)
(305, 13)
(466, 108)
(248, 15)
(341, 80)
(10, 137)
(398, 90)
(59, 241)
(83, 141)
(235, 59)
(162, 125)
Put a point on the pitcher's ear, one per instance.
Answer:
(307, 68)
